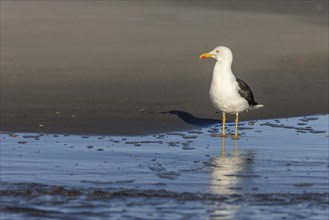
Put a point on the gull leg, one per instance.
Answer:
(223, 124)
(236, 136)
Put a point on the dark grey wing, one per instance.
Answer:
(246, 92)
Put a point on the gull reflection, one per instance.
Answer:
(226, 167)
(229, 170)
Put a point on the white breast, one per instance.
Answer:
(223, 92)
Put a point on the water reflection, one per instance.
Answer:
(226, 167)
(229, 170)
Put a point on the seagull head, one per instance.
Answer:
(221, 54)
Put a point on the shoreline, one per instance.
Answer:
(192, 128)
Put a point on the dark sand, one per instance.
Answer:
(112, 68)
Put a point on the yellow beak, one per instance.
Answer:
(206, 55)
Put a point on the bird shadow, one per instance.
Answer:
(192, 120)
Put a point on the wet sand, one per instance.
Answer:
(86, 67)
(278, 169)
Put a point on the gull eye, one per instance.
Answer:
(217, 51)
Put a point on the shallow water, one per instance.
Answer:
(278, 169)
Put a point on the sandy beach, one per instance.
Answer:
(113, 68)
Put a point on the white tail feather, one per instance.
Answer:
(256, 106)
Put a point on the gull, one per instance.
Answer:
(228, 94)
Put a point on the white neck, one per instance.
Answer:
(223, 71)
